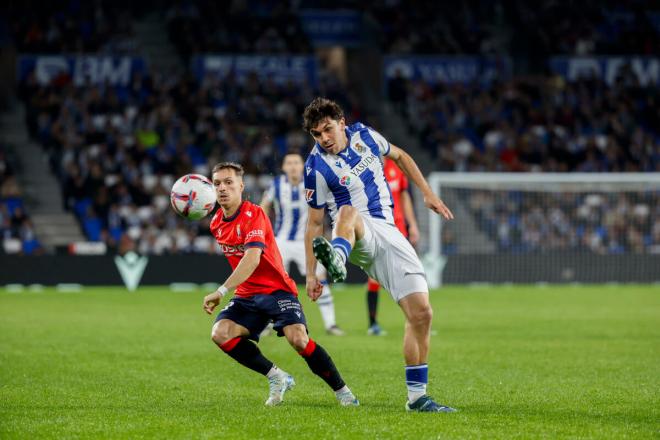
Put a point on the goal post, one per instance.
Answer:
(545, 228)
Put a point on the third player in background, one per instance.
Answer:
(286, 196)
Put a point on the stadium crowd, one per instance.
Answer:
(72, 27)
(598, 222)
(207, 26)
(538, 123)
(117, 150)
(16, 230)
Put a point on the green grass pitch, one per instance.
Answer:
(518, 362)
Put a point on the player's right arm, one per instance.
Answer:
(315, 217)
(243, 270)
(411, 170)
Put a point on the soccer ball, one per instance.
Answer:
(193, 196)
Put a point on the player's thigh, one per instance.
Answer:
(241, 314)
(283, 308)
(396, 265)
(226, 329)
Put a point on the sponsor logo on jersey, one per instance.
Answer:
(363, 165)
(249, 213)
(309, 193)
(238, 230)
(345, 180)
(228, 249)
(309, 170)
(254, 233)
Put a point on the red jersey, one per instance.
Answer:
(397, 182)
(249, 227)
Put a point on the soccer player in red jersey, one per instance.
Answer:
(264, 292)
(403, 213)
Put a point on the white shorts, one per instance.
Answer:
(389, 258)
(293, 251)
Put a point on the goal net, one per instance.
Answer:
(544, 228)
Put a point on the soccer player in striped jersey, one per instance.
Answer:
(285, 196)
(404, 220)
(344, 174)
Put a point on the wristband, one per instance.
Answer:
(222, 290)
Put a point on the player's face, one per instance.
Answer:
(293, 167)
(228, 187)
(330, 134)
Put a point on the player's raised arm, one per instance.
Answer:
(243, 270)
(314, 228)
(411, 170)
(409, 214)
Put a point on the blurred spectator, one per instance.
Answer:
(117, 151)
(538, 124)
(16, 230)
(603, 223)
(73, 27)
(207, 26)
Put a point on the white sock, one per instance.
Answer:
(414, 395)
(327, 307)
(274, 371)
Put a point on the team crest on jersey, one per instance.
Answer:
(345, 180)
(309, 193)
(360, 148)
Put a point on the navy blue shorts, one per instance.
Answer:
(254, 313)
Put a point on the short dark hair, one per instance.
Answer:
(237, 167)
(318, 110)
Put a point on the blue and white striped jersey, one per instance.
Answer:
(290, 208)
(353, 177)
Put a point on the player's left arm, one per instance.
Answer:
(409, 214)
(243, 270)
(411, 170)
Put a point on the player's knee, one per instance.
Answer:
(220, 334)
(346, 212)
(422, 316)
(298, 340)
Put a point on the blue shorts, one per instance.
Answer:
(254, 313)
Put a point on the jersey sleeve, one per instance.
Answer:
(381, 142)
(316, 188)
(255, 233)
